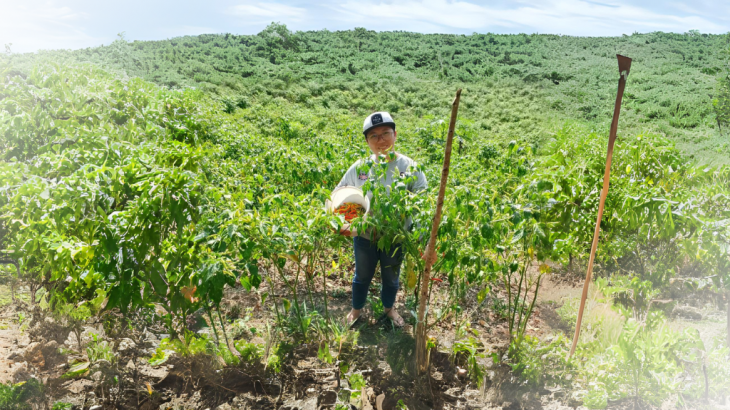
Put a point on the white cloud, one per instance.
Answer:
(573, 17)
(713, 9)
(33, 25)
(254, 12)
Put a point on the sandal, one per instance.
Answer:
(397, 323)
(357, 322)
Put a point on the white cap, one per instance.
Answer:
(377, 119)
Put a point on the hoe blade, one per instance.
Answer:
(624, 64)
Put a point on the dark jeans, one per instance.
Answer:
(367, 256)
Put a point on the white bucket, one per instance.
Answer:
(347, 194)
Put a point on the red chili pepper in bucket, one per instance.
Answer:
(350, 210)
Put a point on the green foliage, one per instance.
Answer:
(78, 368)
(376, 307)
(643, 364)
(640, 359)
(229, 358)
(633, 293)
(190, 345)
(644, 360)
(138, 184)
(127, 217)
(160, 356)
(466, 353)
(100, 350)
(487, 153)
(21, 396)
(651, 229)
(357, 383)
(513, 79)
(250, 352)
(542, 363)
(596, 398)
(721, 99)
(300, 321)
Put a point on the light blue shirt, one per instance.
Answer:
(401, 163)
(353, 178)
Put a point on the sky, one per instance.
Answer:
(31, 25)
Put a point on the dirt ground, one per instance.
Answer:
(43, 349)
(9, 334)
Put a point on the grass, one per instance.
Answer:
(5, 298)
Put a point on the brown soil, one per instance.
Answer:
(383, 357)
(9, 334)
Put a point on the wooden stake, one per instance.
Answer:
(624, 64)
(429, 256)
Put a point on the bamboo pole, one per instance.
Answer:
(624, 64)
(429, 256)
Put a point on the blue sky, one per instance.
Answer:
(31, 25)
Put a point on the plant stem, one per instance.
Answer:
(508, 285)
(296, 283)
(223, 327)
(276, 306)
(728, 317)
(309, 275)
(212, 322)
(14, 281)
(518, 310)
(532, 305)
(324, 287)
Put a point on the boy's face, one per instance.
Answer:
(381, 139)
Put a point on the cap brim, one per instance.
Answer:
(391, 124)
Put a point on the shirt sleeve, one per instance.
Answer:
(350, 177)
(420, 184)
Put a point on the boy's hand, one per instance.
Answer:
(346, 231)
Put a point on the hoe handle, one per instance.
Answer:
(429, 255)
(624, 64)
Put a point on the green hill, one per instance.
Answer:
(516, 86)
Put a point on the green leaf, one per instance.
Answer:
(160, 357)
(357, 382)
(324, 353)
(158, 282)
(517, 236)
(77, 370)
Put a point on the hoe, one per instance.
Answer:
(624, 64)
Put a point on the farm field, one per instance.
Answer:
(164, 205)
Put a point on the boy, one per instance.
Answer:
(380, 135)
